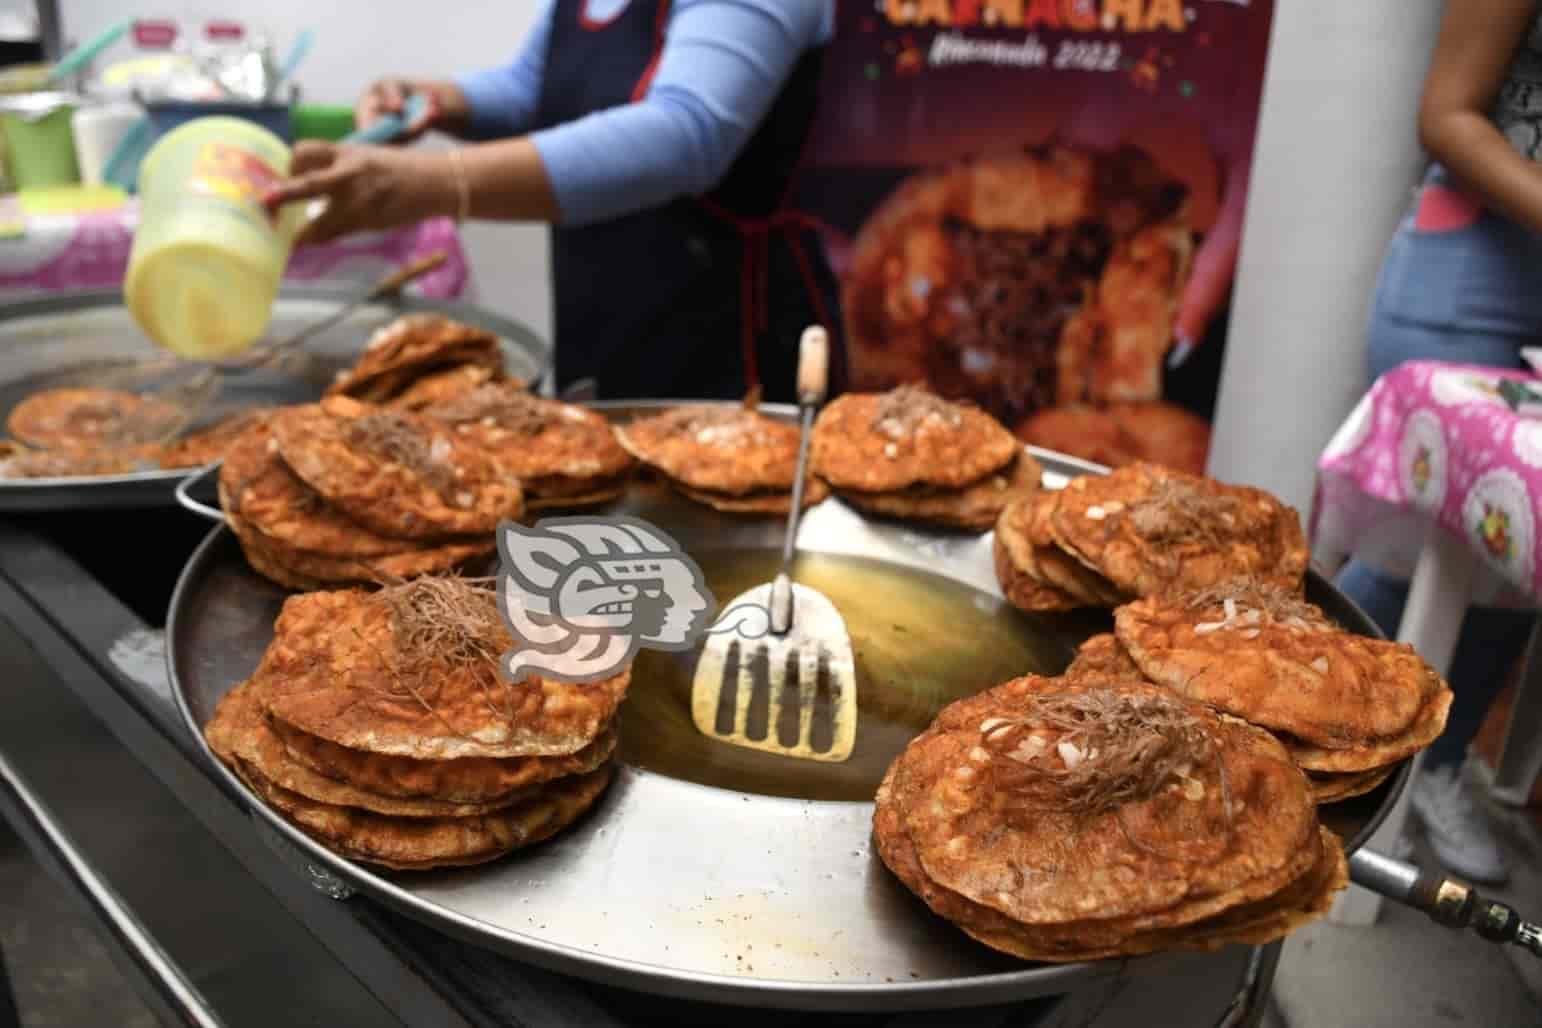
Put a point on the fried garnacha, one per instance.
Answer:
(1151, 530)
(1341, 702)
(421, 844)
(396, 473)
(974, 508)
(444, 386)
(564, 455)
(292, 536)
(731, 457)
(1034, 572)
(412, 671)
(410, 349)
(378, 723)
(907, 437)
(1070, 819)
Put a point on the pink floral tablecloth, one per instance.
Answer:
(90, 251)
(1436, 442)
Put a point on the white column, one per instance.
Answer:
(1336, 156)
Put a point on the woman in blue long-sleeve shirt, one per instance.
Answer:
(659, 138)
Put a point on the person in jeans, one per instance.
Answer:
(1462, 282)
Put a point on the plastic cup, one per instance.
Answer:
(208, 257)
(99, 129)
(39, 144)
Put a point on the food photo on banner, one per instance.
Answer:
(1037, 206)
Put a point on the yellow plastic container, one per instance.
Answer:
(208, 258)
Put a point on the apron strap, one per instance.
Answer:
(754, 277)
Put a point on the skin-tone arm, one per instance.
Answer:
(386, 187)
(1478, 40)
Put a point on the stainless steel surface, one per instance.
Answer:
(782, 903)
(174, 998)
(42, 337)
(1394, 879)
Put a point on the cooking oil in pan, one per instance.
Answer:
(920, 641)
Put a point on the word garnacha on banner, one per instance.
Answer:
(1065, 15)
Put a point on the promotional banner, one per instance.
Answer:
(1037, 205)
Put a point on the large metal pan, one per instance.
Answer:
(683, 888)
(58, 333)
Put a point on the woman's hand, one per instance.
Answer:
(446, 107)
(366, 188)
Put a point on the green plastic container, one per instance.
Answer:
(207, 256)
(317, 121)
(39, 142)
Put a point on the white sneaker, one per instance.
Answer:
(1456, 827)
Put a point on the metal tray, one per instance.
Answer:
(686, 889)
(58, 333)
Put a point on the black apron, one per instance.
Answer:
(704, 297)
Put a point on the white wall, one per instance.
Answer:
(358, 41)
(1337, 154)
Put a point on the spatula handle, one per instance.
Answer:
(408, 273)
(813, 366)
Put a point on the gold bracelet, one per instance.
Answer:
(462, 187)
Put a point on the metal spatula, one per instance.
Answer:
(793, 689)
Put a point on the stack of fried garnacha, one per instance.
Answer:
(730, 458)
(564, 455)
(1090, 817)
(341, 492)
(422, 359)
(1143, 530)
(1348, 708)
(912, 455)
(378, 723)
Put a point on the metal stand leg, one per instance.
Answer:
(9, 1018)
(1247, 1010)
(1437, 602)
(1520, 754)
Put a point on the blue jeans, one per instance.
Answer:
(1471, 295)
